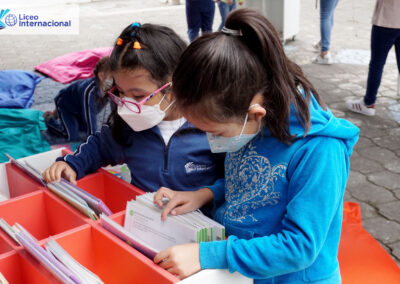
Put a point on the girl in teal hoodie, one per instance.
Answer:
(286, 165)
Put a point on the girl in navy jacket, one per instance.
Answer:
(145, 130)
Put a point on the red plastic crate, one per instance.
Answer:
(20, 183)
(112, 261)
(114, 191)
(41, 213)
(4, 245)
(19, 270)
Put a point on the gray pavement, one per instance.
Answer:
(374, 180)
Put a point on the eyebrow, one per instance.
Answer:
(132, 89)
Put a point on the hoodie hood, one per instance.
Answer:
(324, 123)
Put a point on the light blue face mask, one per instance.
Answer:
(220, 144)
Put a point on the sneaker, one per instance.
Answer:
(317, 46)
(360, 107)
(326, 60)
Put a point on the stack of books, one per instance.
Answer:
(144, 229)
(53, 257)
(83, 201)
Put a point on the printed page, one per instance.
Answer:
(145, 223)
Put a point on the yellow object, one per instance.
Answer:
(136, 45)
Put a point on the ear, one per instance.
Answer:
(101, 76)
(256, 111)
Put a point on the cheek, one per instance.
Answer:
(231, 130)
(155, 100)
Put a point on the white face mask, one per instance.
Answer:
(221, 144)
(149, 117)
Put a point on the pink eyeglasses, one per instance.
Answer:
(132, 106)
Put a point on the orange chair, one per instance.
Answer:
(361, 259)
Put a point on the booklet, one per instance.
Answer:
(24, 166)
(3, 280)
(80, 199)
(119, 231)
(8, 230)
(144, 230)
(206, 228)
(54, 258)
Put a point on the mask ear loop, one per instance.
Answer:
(244, 126)
(167, 106)
(245, 121)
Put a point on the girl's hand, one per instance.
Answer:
(58, 170)
(181, 202)
(181, 260)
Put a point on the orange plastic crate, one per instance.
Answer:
(114, 191)
(112, 261)
(20, 183)
(19, 270)
(4, 245)
(41, 213)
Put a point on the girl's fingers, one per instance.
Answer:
(166, 264)
(161, 256)
(70, 175)
(52, 171)
(160, 194)
(45, 175)
(58, 172)
(171, 205)
(184, 208)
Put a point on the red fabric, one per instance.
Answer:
(362, 260)
(73, 66)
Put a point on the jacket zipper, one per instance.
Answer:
(166, 147)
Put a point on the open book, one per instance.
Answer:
(54, 258)
(145, 231)
(75, 196)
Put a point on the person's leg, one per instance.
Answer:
(223, 10)
(193, 18)
(382, 39)
(232, 6)
(397, 49)
(207, 15)
(327, 11)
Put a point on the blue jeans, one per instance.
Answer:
(199, 15)
(327, 11)
(382, 40)
(224, 10)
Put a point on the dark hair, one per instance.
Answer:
(159, 54)
(221, 73)
(103, 65)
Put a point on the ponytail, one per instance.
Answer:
(231, 69)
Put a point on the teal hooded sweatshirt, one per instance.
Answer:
(282, 204)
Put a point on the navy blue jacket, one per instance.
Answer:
(77, 106)
(186, 163)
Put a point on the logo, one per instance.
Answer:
(10, 20)
(2, 15)
(53, 19)
(191, 167)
